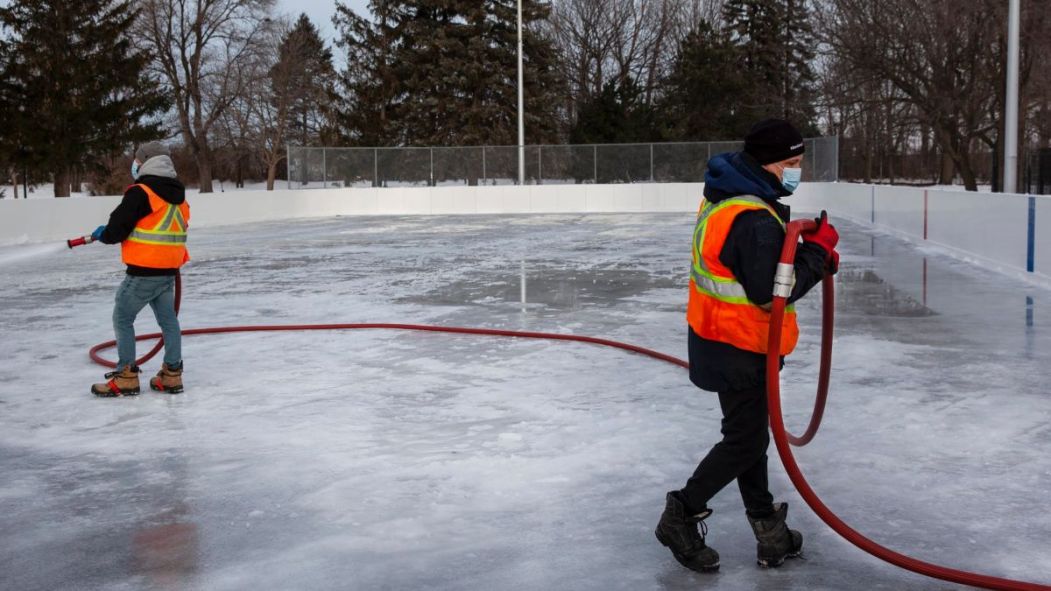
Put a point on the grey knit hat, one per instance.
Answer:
(151, 149)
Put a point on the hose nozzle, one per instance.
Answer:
(81, 241)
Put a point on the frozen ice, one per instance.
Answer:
(396, 460)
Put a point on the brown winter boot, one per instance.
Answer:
(122, 382)
(167, 380)
(776, 541)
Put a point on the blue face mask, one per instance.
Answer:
(790, 178)
(134, 169)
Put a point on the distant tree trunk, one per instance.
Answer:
(62, 183)
(948, 170)
(204, 174)
(970, 181)
(925, 149)
(271, 175)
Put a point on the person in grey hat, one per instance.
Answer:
(151, 226)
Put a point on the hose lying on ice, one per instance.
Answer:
(782, 438)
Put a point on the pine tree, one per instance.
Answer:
(79, 83)
(293, 83)
(371, 91)
(305, 66)
(777, 40)
(706, 92)
(444, 72)
(8, 106)
(617, 115)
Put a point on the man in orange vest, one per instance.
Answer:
(737, 245)
(150, 224)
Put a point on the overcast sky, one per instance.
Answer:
(321, 11)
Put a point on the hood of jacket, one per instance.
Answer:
(158, 166)
(167, 188)
(735, 173)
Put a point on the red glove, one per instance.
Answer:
(833, 263)
(825, 235)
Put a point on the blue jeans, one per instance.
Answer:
(132, 296)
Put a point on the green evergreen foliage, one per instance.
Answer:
(777, 42)
(305, 75)
(74, 85)
(706, 92)
(444, 72)
(617, 115)
(370, 89)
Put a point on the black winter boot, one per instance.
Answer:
(678, 531)
(776, 541)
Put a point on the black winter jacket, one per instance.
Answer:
(134, 207)
(752, 251)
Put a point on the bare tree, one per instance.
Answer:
(200, 48)
(1037, 99)
(615, 40)
(234, 139)
(253, 128)
(273, 105)
(944, 63)
(289, 72)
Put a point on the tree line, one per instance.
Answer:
(914, 88)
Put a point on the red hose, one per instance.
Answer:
(781, 437)
(419, 327)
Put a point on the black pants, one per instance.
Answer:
(741, 454)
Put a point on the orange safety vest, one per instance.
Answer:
(159, 239)
(718, 308)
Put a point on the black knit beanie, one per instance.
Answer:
(773, 140)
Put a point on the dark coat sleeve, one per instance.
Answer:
(133, 207)
(753, 249)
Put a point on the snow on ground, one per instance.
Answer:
(387, 460)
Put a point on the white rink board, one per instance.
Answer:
(992, 227)
(900, 209)
(1042, 258)
(40, 220)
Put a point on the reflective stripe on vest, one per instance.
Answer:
(725, 289)
(161, 233)
(719, 308)
(159, 239)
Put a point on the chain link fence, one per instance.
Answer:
(548, 165)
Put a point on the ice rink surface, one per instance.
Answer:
(395, 460)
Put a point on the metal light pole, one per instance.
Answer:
(1011, 114)
(521, 108)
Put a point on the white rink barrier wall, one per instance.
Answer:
(38, 220)
(1009, 232)
(1004, 231)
